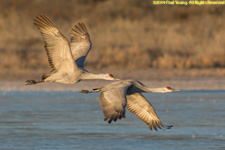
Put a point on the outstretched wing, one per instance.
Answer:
(80, 44)
(113, 101)
(139, 105)
(56, 45)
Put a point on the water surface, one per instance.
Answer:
(70, 120)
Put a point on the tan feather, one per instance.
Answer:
(56, 45)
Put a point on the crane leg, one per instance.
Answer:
(31, 82)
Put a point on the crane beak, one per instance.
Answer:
(116, 78)
(175, 90)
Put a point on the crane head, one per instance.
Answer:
(169, 89)
(111, 77)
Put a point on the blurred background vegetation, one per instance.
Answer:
(126, 34)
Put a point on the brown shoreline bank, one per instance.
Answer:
(192, 79)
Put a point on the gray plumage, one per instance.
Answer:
(66, 59)
(80, 44)
(116, 96)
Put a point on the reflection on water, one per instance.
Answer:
(71, 120)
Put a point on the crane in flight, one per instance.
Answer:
(114, 97)
(65, 58)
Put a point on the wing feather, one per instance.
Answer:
(138, 104)
(80, 44)
(56, 46)
(113, 104)
(112, 99)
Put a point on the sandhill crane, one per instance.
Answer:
(114, 97)
(66, 59)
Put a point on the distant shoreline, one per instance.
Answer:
(192, 79)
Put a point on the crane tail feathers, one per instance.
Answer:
(45, 75)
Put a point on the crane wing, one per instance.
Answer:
(56, 46)
(80, 44)
(113, 101)
(139, 105)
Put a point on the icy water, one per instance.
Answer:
(71, 120)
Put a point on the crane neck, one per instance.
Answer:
(90, 76)
(139, 87)
(156, 90)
